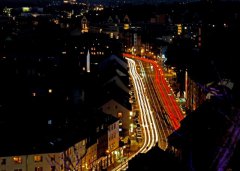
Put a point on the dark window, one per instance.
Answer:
(52, 158)
(53, 168)
(38, 169)
(3, 162)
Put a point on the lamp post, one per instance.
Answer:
(107, 153)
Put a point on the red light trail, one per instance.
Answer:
(169, 102)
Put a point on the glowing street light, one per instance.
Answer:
(107, 153)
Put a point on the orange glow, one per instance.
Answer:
(119, 114)
(17, 159)
(37, 158)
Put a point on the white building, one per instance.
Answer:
(71, 158)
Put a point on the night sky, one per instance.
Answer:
(6, 2)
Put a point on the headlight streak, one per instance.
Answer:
(169, 103)
(173, 111)
(150, 133)
(161, 124)
(146, 115)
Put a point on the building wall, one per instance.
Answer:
(113, 136)
(89, 160)
(113, 142)
(195, 95)
(117, 110)
(72, 158)
(69, 159)
(102, 144)
(33, 162)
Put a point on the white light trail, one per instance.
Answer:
(146, 115)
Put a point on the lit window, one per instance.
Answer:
(131, 113)
(119, 114)
(83, 142)
(68, 152)
(17, 159)
(49, 122)
(37, 158)
(126, 26)
(111, 35)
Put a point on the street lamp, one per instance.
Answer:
(107, 153)
(142, 52)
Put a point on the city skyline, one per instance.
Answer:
(7, 2)
(84, 87)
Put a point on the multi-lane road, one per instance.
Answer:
(154, 78)
(160, 114)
